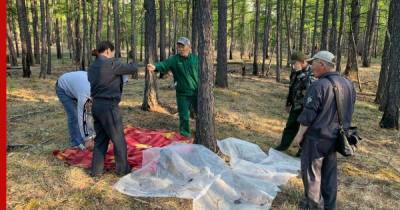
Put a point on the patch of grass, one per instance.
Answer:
(252, 108)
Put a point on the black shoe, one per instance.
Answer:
(123, 173)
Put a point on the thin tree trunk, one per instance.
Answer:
(175, 28)
(12, 25)
(351, 66)
(333, 34)
(43, 36)
(92, 30)
(58, 39)
(313, 49)
(133, 32)
(108, 20)
(25, 38)
(375, 45)
(303, 14)
(278, 41)
(141, 39)
(267, 25)
(162, 30)
(242, 19)
(288, 19)
(324, 30)
(255, 53)
(195, 25)
(85, 35)
(100, 20)
(36, 43)
(77, 34)
(48, 27)
(369, 33)
(170, 27)
(205, 128)
(150, 99)
(341, 32)
(11, 48)
(187, 18)
(222, 77)
(117, 28)
(232, 30)
(70, 40)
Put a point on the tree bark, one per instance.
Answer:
(11, 48)
(78, 46)
(205, 128)
(232, 35)
(369, 33)
(324, 29)
(352, 66)
(313, 49)
(333, 34)
(141, 38)
(187, 18)
(117, 28)
(341, 32)
(58, 39)
(267, 25)
(36, 43)
(71, 46)
(85, 35)
(100, 20)
(162, 30)
(133, 32)
(195, 25)
(303, 14)
(255, 52)
(108, 20)
(43, 36)
(48, 27)
(150, 99)
(175, 28)
(170, 12)
(25, 38)
(12, 28)
(242, 19)
(222, 77)
(91, 31)
(288, 18)
(390, 118)
(278, 41)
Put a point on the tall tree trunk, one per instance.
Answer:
(36, 43)
(288, 18)
(100, 20)
(170, 28)
(341, 32)
(78, 46)
(48, 27)
(351, 66)
(11, 48)
(175, 28)
(70, 40)
(205, 128)
(375, 44)
(12, 25)
(150, 99)
(222, 77)
(92, 30)
(267, 25)
(58, 39)
(187, 18)
(195, 25)
(141, 38)
(390, 118)
(313, 49)
(324, 29)
(257, 20)
(108, 20)
(278, 41)
(43, 36)
(333, 34)
(25, 38)
(303, 14)
(117, 28)
(369, 33)
(133, 32)
(242, 24)
(85, 35)
(162, 30)
(232, 30)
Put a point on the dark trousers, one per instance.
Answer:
(108, 126)
(290, 131)
(185, 105)
(319, 175)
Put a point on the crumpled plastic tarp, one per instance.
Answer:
(249, 181)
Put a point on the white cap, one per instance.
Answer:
(325, 56)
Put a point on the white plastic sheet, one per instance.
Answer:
(249, 181)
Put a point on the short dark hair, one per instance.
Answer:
(101, 47)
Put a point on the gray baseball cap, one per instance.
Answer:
(183, 40)
(325, 56)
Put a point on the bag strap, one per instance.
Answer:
(338, 105)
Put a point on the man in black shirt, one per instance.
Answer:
(319, 129)
(106, 80)
(301, 78)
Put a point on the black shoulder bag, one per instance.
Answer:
(346, 142)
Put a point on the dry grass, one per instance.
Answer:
(252, 109)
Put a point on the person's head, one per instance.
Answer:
(104, 48)
(183, 46)
(322, 62)
(298, 61)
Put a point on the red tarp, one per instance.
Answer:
(137, 140)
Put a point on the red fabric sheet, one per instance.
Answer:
(137, 140)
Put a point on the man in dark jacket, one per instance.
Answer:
(106, 80)
(301, 78)
(185, 68)
(319, 129)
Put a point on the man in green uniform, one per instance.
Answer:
(185, 68)
(300, 79)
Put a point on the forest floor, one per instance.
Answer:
(252, 109)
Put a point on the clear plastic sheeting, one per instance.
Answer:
(190, 171)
